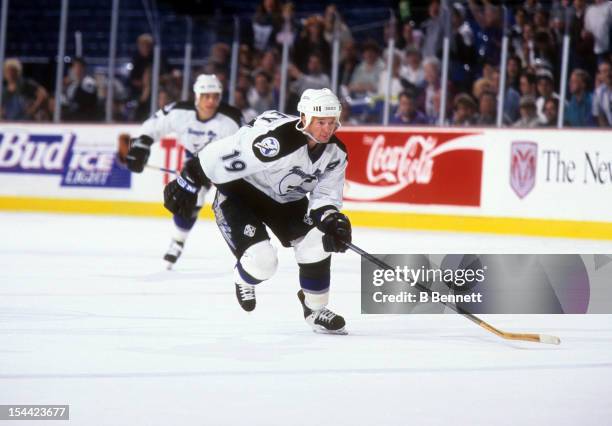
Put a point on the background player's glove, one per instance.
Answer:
(181, 195)
(138, 155)
(337, 229)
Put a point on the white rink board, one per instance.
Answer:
(566, 185)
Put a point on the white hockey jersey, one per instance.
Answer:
(181, 118)
(271, 156)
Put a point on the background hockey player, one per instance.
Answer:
(195, 126)
(263, 175)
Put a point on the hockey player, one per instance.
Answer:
(195, 127)
(263, 175)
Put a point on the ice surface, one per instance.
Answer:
(89, 317)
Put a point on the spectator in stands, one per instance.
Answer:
(315, 78)
(410, 38)
(602, 102)
(541, 19)
(348, 62)
(173, 85)
(551, 112)
(433, 30)
(434, 117)
(513, 72)
(431, 67)
(293, 29)
(396, 83)
(545, 50)
(529, 116)
(581, 41)
(267, 22)
(407, 112)
(164, 98)
(261, 96)
(219, 57)
(516, 31)
(546, 90)
(329, 18)
(268, 62)
(142, 60)
(413, 70)
(240, 102)
(367, 74)
(22, 98)
(579, 112)
(346, 117)
(311, 40)
(80, 96)
(245, 81)
(489, 20)
(527, 84)
(245, 57)
(464, 111)
(487, 109)
(486, 81)
(480, 86)
(462, 56)
(530, 7)
(512, 98)
(598, 21)
(527, 50)
(143, 103)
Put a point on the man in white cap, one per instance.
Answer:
(195, 125)
(263, 175)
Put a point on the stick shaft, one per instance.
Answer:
(162, 169)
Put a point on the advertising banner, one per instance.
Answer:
(414, 166)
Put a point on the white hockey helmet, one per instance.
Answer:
(319, 103)
(207, 83)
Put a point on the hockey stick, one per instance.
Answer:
(161, 169)
(530, 337)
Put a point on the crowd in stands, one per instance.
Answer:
(532, 75)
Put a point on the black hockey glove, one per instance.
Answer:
(337, 229)
(181, 195)
(138, 155)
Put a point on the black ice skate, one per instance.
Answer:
(323, 320)
(173, 253)
(245, 293)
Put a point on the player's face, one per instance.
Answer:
(208, 104)
(322, 128)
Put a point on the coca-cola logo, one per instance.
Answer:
(417, 167)
(405, 164)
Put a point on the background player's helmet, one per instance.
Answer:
(207, 83)
(319, 103)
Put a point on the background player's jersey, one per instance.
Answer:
(271, 157)
(181, 118)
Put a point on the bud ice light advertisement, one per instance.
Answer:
(413, 166)
(65, 153)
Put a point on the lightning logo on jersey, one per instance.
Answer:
(269, 147)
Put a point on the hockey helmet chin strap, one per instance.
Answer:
(302, 128)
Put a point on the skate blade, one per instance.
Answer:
(169, 266)
(341, 332)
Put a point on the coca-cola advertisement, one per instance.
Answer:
(417, 167)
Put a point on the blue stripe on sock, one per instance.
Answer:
(315, 285)
(246, 276)
(183, 223)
